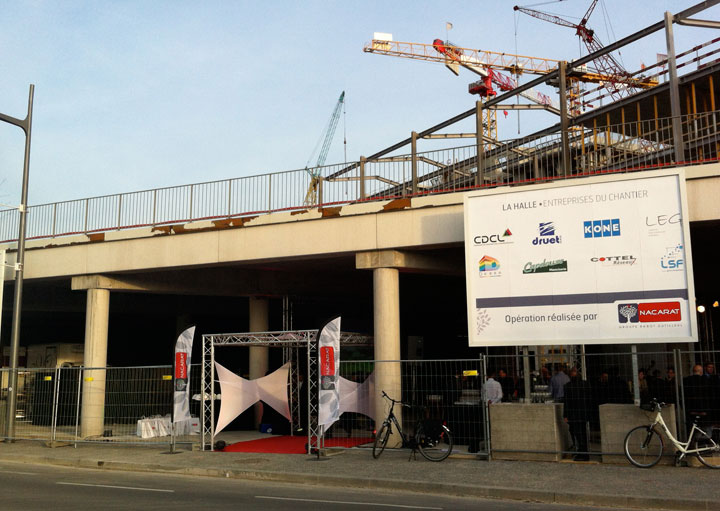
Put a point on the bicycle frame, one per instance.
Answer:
(682, 447)
(391, 419)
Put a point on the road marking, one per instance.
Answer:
(19, 473)
(379, 504)
(118, 487)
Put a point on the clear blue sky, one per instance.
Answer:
(133, 95)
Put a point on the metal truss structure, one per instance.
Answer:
(292, 342)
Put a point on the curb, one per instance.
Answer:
(459, 490)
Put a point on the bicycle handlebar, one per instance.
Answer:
(657, 404)
(394, 400)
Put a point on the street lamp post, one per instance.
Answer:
(26, 126)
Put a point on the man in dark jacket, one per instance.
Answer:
(577, 409)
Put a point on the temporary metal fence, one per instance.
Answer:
(115, 405)
(440, 390)
(630, 146)
(62, 403)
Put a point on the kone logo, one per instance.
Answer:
(547, 234)
(601, 228)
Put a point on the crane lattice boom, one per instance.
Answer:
(618, 81)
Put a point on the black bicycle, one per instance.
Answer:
(432, 438)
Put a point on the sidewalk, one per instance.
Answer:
(591, 483)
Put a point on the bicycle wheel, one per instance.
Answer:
(643, 446)
(381, 439)
(434, 443)
(710, 454)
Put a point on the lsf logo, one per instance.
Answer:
(673, 260)
(654, 312)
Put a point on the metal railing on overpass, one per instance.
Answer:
(631, 146)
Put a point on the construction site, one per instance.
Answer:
(269, 254)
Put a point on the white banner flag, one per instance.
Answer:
(181, 377)
(329, 361)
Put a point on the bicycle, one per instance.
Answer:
(644, 444)
(434, 442)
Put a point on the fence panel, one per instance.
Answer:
(119, 405)
(598, 392)
(445, 390)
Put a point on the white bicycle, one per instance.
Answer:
(644, 444)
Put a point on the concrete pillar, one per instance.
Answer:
(386, 311)
(259, 355)
(96, 340)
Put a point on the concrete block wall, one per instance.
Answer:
(517, 427)
(615, 422)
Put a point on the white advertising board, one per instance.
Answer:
(589, 261)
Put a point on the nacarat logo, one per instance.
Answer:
(493, 239)
(616, 260)
(547, 234)
(653, 312)
(546, 266)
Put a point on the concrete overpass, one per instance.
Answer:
(349, 255)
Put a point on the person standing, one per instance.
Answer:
(696, 401)
(668, 394)
(492, 390)
(712, 391)
(577, 409)
(557, 384)
(508, 386)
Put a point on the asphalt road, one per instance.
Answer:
(41, 487)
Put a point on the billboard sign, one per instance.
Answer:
(590, 261)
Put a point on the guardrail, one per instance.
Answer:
(639, 145)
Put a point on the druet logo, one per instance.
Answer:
(489, 267)
(654, 312)
(674, 259)
(601, 228)
(547, 235)
(619, 260)
(493, 239)
(546, 266)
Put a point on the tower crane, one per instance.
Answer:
(484, 63)
(618, 81)
(326, 140)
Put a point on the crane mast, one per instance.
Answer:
(326, 140)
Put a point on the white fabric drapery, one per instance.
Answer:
(239, 394)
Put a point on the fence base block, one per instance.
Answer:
(532, 432)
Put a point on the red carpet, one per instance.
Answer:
(290, 444)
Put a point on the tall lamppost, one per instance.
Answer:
(26, 126)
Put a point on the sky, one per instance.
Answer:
(135, 95)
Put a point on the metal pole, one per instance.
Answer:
(479, 143)
(77, 404)
(636, 380)
(363, 160)
(413, 147)
(26, 126)
(2, 289)
(56, 404)
(675, 111)
(564, 121)
(526, 372)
